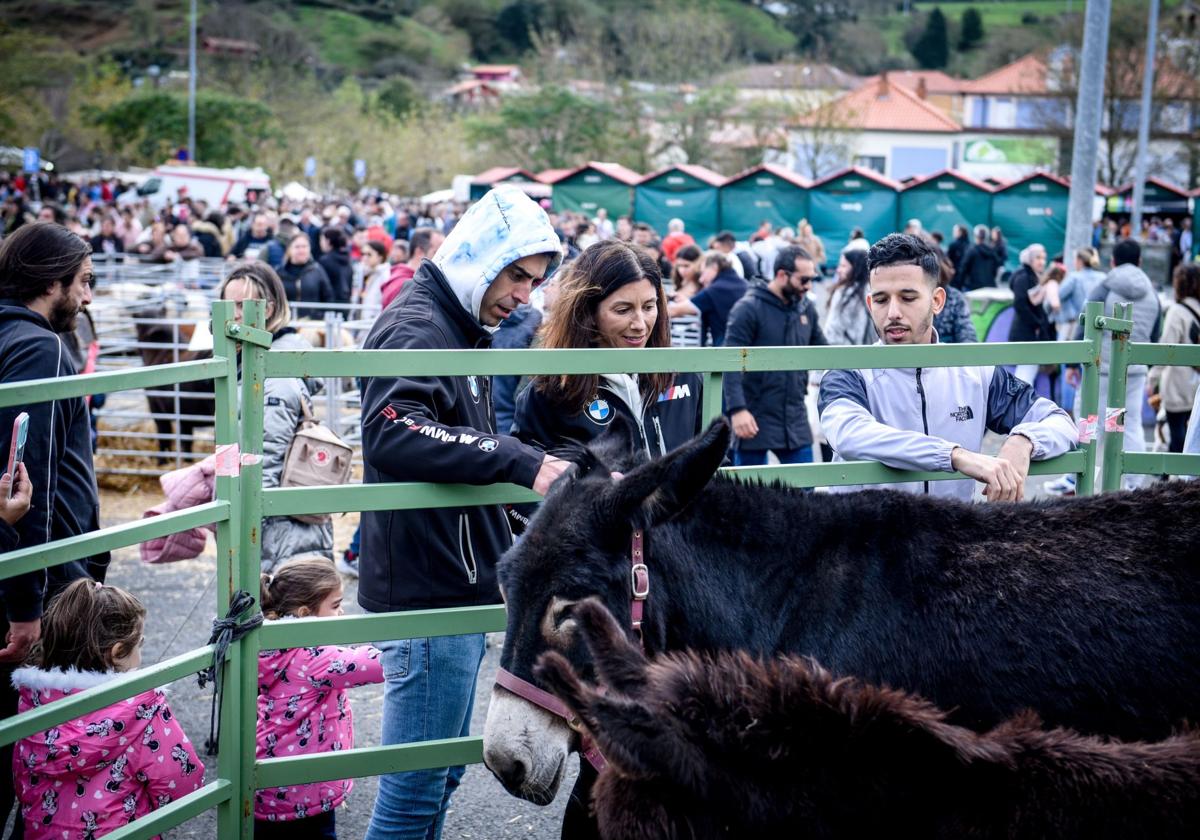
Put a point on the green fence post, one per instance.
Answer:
(1089, 396)
(1114, 441)
(255, 344)
(228, 488)
(712, 397)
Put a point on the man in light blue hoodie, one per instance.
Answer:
(442, 429)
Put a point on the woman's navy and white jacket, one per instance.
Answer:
(913, 418)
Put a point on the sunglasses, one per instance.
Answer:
(805, 279)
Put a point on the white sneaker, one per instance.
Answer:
(1061, 486)
(346, 567)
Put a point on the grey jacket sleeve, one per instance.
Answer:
(855, 434)
(1014, 408)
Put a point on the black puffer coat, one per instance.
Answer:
(307, 282)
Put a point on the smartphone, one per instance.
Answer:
(16, 451)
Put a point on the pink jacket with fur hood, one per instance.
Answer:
(302, 709)
(92, 775)
(184, 488)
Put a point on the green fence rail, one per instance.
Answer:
(241, 503)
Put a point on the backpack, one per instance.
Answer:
(316, 458)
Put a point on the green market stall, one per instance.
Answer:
(596, 184)
(854, 197)
(684, 191)
(484, 181)
(946, 199)
(765, 192)
(1159, 198)
(1032, 209)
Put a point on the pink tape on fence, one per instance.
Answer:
(228, 460)
(1114, 420)
(1087, 428)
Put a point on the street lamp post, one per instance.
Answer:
(1089, 106)
(192, 84)
(1144, 115)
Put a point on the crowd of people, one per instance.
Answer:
(502, 273)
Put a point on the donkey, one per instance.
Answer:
(1085, 610)
(726, 745)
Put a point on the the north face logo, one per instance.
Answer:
(963, 414)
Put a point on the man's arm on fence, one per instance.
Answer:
(1014, 408)
(855, 434)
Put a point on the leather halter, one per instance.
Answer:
(639, 591)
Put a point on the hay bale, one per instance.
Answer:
(116, 439)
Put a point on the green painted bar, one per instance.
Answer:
(841, 473)
(368, 761)
(1118, 365)
(373, 627)
(1165, 354)
(85, 702)
(61, 388)
(406, 496)
(242, 670)
(228, 533)
(712, 396)
(679, 360)
(1161, 463)
(106, 539)
(180, 811)
(1089, 396)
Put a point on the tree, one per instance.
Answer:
(150, 127)
(399, 97)
(824, 136)
(546, 129)
(932, 49)
(972, 29)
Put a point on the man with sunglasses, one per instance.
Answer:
(46, 279)
(767, 409)
(442, 429)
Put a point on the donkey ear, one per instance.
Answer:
(656, 491)
(620, 665)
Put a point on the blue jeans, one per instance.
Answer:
(429, 693)
(758, 457)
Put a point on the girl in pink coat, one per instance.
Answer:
(90, 776)
(302, 705)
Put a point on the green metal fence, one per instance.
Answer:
(241, 502)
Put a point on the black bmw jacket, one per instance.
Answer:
(671, 420)
(58, 456)
(775, 398)
(438, 429)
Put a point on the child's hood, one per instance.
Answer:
(38, 687)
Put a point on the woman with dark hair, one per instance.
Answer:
(303, 279)
(953, 324)
(286, 401)
(847, 319)
(611, 297)
(335, 259)
(1176, 385)
(685, 273)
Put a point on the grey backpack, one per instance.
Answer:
(316, 458)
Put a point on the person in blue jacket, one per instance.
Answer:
(722, 288)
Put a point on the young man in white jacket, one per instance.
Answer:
(934, 419)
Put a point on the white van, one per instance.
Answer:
(217, 187)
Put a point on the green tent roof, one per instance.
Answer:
(683, 191)
(945, 199)
(764, 192)
(587, 188)
(1159, 197)
(854, 197)
(1032, 209)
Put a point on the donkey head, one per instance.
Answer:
(577, 546)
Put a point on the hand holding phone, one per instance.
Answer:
(16, 449)
(16, 494)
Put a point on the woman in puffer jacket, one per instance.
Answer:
(284, 400)
(92, 775)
